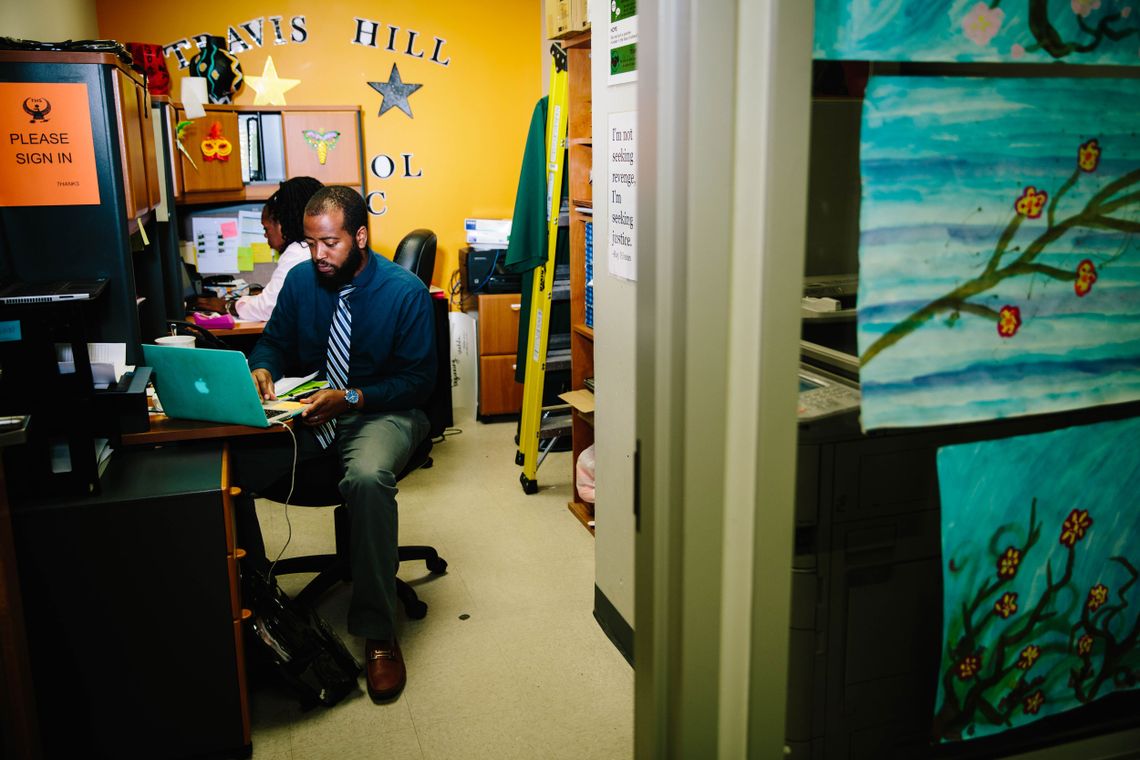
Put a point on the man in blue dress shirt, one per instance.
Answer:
(367, 325)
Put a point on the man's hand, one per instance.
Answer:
(264, 382)
(323, 406)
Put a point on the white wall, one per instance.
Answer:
(49, 20)
(615, 303)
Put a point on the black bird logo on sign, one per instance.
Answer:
(37, 108)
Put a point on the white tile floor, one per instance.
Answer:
(529, 674)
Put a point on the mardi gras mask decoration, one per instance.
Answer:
(216, 147)
(220, 69)
(149, 60)
(322, 141)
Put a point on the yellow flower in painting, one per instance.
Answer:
(1007, 605)
(1009, 321)
(1028, 656)
(1088, 155)
(1033, 702)
(1084, 644)
(1098, 595)
(1031, 202)
(1075, 526)
(969, 665)
(1008, 562)
(1086, 276)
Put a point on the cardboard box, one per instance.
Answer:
(565, 18)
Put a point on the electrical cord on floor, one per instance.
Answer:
(446, 433)
(292, 483)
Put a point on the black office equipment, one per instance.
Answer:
(483, 272)
(130, 611)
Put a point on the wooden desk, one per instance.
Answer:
(242, 328)
(166, 430)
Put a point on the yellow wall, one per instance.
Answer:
(470, 116)
(48, 20)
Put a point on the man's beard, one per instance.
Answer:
(342, 275)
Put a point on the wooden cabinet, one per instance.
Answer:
(498, 346)
(314, 141)
(203, 176)
(579, 138)
(136, 146)
(305, 132)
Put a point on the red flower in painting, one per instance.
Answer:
(1084, 644)
(1028, 656)
(1008, 562)
(969, 666)
(1031, 202)
(1007, 605)
(1033, 702)
(1075, 527)
(1086, 276)
(1088, 155)
(1009, 321)
(1098, 595)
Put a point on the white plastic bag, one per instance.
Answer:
(584, 474)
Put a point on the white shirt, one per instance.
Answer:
(258, 308)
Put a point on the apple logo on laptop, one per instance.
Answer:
(201, 386)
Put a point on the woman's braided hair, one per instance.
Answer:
(287, 206)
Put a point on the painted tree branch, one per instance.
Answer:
(1096, 214)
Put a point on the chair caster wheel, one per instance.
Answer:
(416, 610)
(437, 565)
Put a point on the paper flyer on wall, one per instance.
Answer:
(623, 41)
(216, 242)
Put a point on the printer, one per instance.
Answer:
(482, 271)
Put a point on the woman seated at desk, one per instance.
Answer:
(283, 219)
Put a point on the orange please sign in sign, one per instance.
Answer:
(47, 157)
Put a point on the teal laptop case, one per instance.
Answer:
(206, 384)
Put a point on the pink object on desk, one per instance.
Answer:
(218, 321)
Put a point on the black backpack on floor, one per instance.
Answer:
(296, 644)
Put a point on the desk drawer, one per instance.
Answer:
(499, 323)
(498, 391)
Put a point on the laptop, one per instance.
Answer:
(211, 385)
(50, 292)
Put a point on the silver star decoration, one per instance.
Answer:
(395, 93)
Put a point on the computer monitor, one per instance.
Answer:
(833, 188)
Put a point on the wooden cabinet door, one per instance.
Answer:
(498, 391)
(324, 145)
(209, 176)
(499, 323)
(135, 144)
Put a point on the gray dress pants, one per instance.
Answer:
(373, 449)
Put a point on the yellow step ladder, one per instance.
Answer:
(538, 332)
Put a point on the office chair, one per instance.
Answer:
(416, 253)
(316, 485)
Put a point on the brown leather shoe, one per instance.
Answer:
(384, 669)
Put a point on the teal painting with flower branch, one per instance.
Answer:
(1073, 31)
(1041, 563)
(999, 270)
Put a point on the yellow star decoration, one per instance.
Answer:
(269, 87)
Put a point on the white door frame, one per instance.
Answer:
(724, 91)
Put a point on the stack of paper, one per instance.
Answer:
(487, 234)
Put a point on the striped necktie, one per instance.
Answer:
(336, 369)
